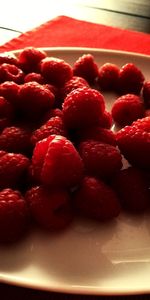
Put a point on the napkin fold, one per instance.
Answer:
(65, 31)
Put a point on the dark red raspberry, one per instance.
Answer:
(34, 77)
(98, 134)
(127, 109)
(10, 90)
(16, 139)
(2, 153)
(51, 209)
(56, 162)
(147, 113)
(96, 200)
(86, 67)
(108, 75)
(13, 168)
(131, 189)
(11, 73)
(134, 142)
(74, 83)
(34, 100)
(105, 120)
(14, 216)
(8, 58)
(146, 93)
(29, 59)
(6, 113)
(130, 79)
(83, 107)
(55, 112)
(101, 160)
(53, 89)
(56, 71)
(54, 125)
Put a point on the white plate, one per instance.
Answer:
(88, 258)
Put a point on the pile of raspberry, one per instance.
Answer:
(59, 157)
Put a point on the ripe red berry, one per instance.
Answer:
(127, 109)
(11, 73)
(54, 125)
(105, 120)
(98, 134)
(16, 140)
(74, 83)
(130, 79)
(83, 107)
(9, 90)
(34, 100)
(101, 160)
(13, 168)
(134, 143)
(34, 77)
(131, 189)
(96, 200)
(8, 58)
(55, 112)
(56, 162)
(146, 93)
(55, 71)
(6, 113)
(29, 59)
(108, 75)
(51, 209)
(86, 67)
(14, 216)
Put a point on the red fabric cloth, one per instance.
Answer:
(66, 31)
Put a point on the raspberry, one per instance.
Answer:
(56, 71)
(15, 139)
(9, 90)
(6, 113)
(14, 216)
(55, 112)
(105, 120)
(98, 134)
(29, 59)
(127, 109)
(146, 93)
(86, 67)
(74, 83)
(108, 75)
(101, 160)
(51, 209)
(134, 142)
(11, 73)
(13, 168)
(8, 58)
(131, 189)
(54, 125)
(56, 162)
(130, 79)
(34, 77)
(34, 100)
(96, 200)
(83, 107)
(147, 113)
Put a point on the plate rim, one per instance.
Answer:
(74, 289)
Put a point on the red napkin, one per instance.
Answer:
(66, 31)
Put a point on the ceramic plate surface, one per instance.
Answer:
(88, 258)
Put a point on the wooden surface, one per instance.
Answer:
(17, 16)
